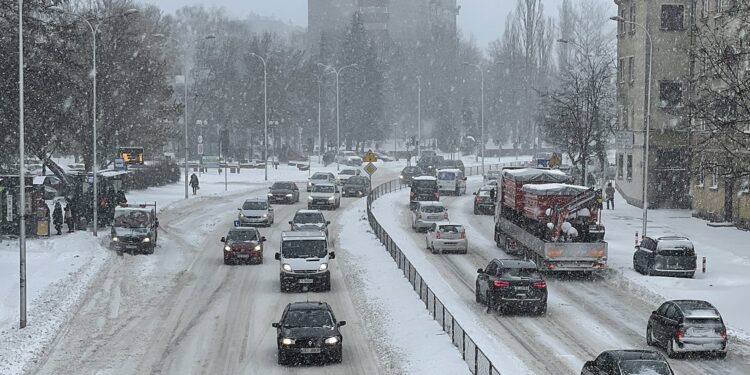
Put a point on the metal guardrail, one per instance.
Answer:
(474, 357)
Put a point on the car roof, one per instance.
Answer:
(256, 199)
(513, 263)
(634, 354)
(449, 170)
(135, 209)
(325, 184)
(431, 203)
(488, 187)
(445, 222)
(303, 211)
(309, 305)
(244, 229)
(694, 304)
(425, 178)
(303, 235)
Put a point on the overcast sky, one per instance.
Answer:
(484, 19)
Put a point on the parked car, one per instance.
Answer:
(309, 220)
(308, 329)
(452, 164)
(357, 186)
(408, 173)
(451, 181)
(628, 362)
(255, 211)
(304, 261)
(349, 158)
(506, 284)
(665, 256)
(423, 189)
(347, 173)
(320, 178)
(493, 175)
(683, 326)
(484, 200)
(445, 237)
(243, 245)
(324, 195)
(283, 191)
(426, 214)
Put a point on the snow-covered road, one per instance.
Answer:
(584, 318)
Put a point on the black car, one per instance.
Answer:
(308, 330)
(408, 173)
(683, 326)
(484, 200)
(628, 362)
(507, 284)
(665, 256)
(423, 189)
(283, 191)
(429, 164)
(452, 164)
(357, 186)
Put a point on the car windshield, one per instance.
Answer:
(131, 219)
(484, 193)
(446, 175)
(451, 228)
(242, 235)
(309, 218)
(424, 184)
(283, 186)
(432, 209)
(308, 318)
(521, 273)
(255, 206)
(319, 176)
(323, 189)
(411, 170)
(644, 367)
(304, 249)
(356, 181)
(349, 172)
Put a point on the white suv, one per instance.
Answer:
(349, 158)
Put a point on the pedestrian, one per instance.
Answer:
(610, 191)
(194, 183)
(492, 194)
(57, 218)
(120, 199)
(68, 216)
(102, 210)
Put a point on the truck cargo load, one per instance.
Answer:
(539, 198)
(515, 179)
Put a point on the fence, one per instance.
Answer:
(474, 357)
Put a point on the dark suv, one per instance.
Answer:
(665, 256)
(624, 362)
(423, 189)
(429, 164)
(308, 330)
(511, 283)
(408, 173)
(687, 326)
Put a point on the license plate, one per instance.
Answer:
(451, 243)
(305, 281)
(243, 255)
(310, 350)
(522, 288)
(131, 247)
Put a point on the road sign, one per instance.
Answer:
(370, 157)
(370, 168)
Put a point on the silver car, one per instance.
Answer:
(255, 211)
(426, 214)
(445, 237)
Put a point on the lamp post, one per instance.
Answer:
(648, 120)
(265, 111)
(320, 140)
(21, 173)
(338, 124)
(419, 117)
(481, 72)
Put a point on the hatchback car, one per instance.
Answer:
(255, 211)
(507, 284)
(683, 326)
(283, 191)
(445, 237)
(357, 186)
(408, 173)
(324, 195)
(320, 178)
(665, 256)
(309, 220)
(426, 214)
(308, 330)
(628, 362)
(243, 245)
(484, 200)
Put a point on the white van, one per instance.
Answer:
(303, 261)
(451, 181)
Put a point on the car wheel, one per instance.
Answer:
(690, 275)
(721, 355)
(650, 335)
(670, 349)
(309, 207)
(226, 262)
(119, 252)
(149, 249)
(649, 270)
(477, 295)
(541, 309)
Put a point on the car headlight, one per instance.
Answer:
(115, 239)
(309, 183)
(257, 247)
(265, 215)
(323, 267)
(146, 239)
(227, 248)
(241, 214)
(286, 267)
(309, 198)
(289, 195)
(331, 198)
(270, 194)
(287, 341)
(332, 340)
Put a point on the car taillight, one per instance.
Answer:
(411, 194)
(723, 333)
(419, 215)
(463, 235)
(476, 199)
(445, 215)
(502, 284)
(437, 235)
(680, 334)
(539, 284)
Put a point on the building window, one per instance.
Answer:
(621, 25)
(670, 94)
(672, 17)
(704, 8)
(630, 167)
(701, 175)
(620, 163)
(625, 117)
(715, 178)
(621, 71)
(631, 67)
(632, 19)
(719, 6)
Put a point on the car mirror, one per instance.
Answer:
(156, 223)
(263, 239)
(474, 193)
(331, 255)
(270, 208)
(464, 178)
(277, 256)
(341, 323)
(480, 271)
(291, 222)
(223, 239)
(275, 325)
(328, 222)
(239, 209)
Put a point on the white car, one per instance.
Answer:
(444, 237)
(346, 173)
(320, 178)
(324, 195)
(427, 213)
(349, 158)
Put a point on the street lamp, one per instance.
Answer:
(338, 126)
(265, 112)
(481, 72)
(648, 120)
(419, 117)
(320, 140)
(21, 173)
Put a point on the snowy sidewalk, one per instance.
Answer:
(727, 250)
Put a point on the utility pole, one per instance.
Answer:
(338, 124)
(21, 172)
(265, 112)
(419, 117)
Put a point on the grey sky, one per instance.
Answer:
(484, 19)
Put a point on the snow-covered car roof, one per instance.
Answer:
(425, 178)
(451, 170)
(303, 235)
(430, 203)
(257, 199)
(535, 174)
(302, 211)
(325, 184)
(554, 189)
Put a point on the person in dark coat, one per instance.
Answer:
(68, 216)
(57, 218)
(610, 192)
(120, 199)
(103, 209)
(492, 195)
(194, 183)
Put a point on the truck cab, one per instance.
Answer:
(135, 229)
(304, 260)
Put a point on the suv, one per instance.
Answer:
(306, 220)
(357, 186)
(451, 181)
(345, 174)
(426, 214)
(320, 178)
(452, 164)
(511, 283)
(255, 211)
(687, 326)
(308, 329)
(303, 261)
(408, 173)
(324, 195)
(135, 229)
(423, 189)
(668, 256)
(618, 362)
(243, 245)
(349, 158)
(283, 191)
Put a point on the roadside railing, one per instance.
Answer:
(474, 356)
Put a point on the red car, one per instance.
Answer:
(243, 245)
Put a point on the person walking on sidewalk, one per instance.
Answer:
(194, 183)
(57, 218)
(68, 216)
(610, 191)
